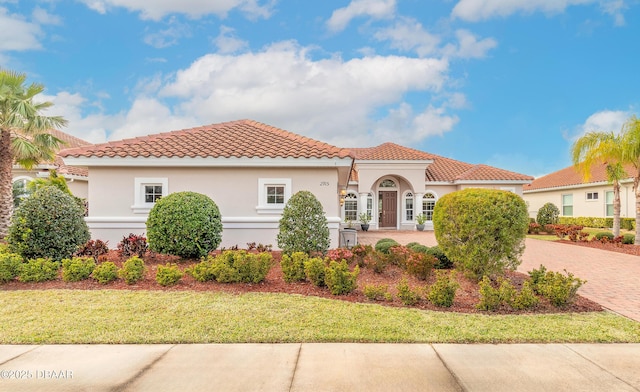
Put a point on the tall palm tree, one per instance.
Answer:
(24, 136)
(596, 148)
(630, 145)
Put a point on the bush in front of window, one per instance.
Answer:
(303, 226)
(548, 215)
(185, 224)
(49, 224)
(481, 230)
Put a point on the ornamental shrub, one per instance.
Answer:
(558, 288)
(481, 230)
(93, 248)
(443, 261)
(489, 296)
(48, 224)
(385, 244)
(303, 226)
(377, 261)
(407, 295)
(339, 279)
(420, 265)
(628, 239)
(293, 266)
(314, 271)
(604, 234)
(132, 270)
(185, 224)
(133, 245)
(234, 266)
(9, 266)
(39, 270)
(377, 292)
(105, 273)
(443, 291)
(548, 215)
(527, 298)
(168, 274)
(416, 247)
(77, 268)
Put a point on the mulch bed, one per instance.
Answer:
(620, 248)
(465, 301)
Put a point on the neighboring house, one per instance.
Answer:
(576, 197)
(251, 170)
(76, 176)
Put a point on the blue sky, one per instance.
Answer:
(509, 83)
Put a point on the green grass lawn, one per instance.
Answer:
(591, 230)
(116, 316)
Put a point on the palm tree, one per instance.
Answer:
(630, 145)
(595, 148)
(24, 136)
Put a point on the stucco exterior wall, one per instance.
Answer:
(235, 191)
(78, 187)
(581, 206)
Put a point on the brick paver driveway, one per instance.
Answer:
(612, 278)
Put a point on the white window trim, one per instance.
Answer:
(404, 207)
(139, 206)
(344, 211)
(562, 205)
(434, 198)
(607, 204)
(586, 196)
(263, 207)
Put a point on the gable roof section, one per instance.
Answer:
(237, 139)
(570, 177)
(69, 141)
(439, 169)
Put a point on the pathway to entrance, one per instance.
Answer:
(612, 278)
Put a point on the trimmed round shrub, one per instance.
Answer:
(548, 215)
(385, 244)
(105, 273)
(9, 266)
(168, 274)
(39, 270)
(185, 224)
(481, 230)
(604, 234)
(443, 261)
(48, 224)
(628, 239)
(77, 268)
(303, 226)
(132, 270)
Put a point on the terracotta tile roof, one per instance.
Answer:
(244, 138)
(569, 176)
(442, 169)
(388, 152)
(69, 141)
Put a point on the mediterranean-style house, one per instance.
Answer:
(576, 197)
(76, 176)
(251, 170)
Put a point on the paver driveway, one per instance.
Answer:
(612, 278)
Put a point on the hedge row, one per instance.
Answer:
(625, 223)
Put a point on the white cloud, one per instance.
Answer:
(228, 42)
(615, 9)
(157, 9)
(92, 127)
(469, 46)
(169, 36)
(408, 35)
(329, 99)
(376, 9)
(476, 10)
(43, 17)
(604, 121)
(17, 33)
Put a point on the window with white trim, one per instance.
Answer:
(19, 189)
(351, 207)
(608, 202)
(370, 204)
(592, 196)
(408, 207)
(428, 204)
(147, 191)
(273, 194)
(567, 205)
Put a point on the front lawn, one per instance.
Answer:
(123, 316)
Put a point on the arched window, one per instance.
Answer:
(408, 206)
(351, 207)
(387, 183)
(428, 204)
(20, 189)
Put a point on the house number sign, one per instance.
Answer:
(324, 183)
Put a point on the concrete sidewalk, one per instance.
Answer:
(321, 367)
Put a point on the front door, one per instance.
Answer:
(389, 212)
